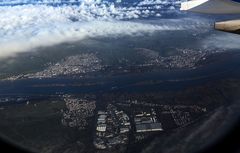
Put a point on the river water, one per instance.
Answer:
(162, 80)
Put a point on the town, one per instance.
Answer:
(77, 112)
(134, 121)
(70, 66)
(82, 65)
(122, 123)
(185, 58)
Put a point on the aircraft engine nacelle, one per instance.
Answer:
(232, 26)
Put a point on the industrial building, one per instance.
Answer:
(112, 128)
(147, 122)
(101, 128)
(149, 127)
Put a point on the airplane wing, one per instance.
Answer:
(216, 7)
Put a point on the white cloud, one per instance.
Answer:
(25, 27)
(19, 40)
(222, 41)
(162, 2)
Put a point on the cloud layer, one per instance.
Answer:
(222, 41)
(25, 27)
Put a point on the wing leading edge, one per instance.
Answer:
(216, 7)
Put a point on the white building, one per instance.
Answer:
(101, 128)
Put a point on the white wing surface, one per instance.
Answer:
(216, 7)
(212, 6)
